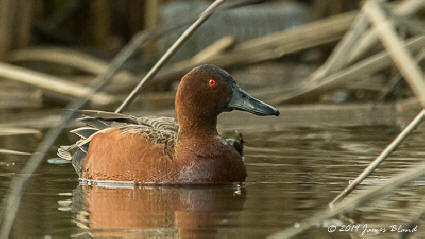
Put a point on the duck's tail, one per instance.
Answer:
(96, 121)
(78, 151)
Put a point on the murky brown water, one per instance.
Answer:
(293, 173)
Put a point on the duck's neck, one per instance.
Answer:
(197, 127)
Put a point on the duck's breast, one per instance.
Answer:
(209, 162)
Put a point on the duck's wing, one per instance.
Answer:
(160, 130)
(103, 119)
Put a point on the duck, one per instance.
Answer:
(167, 150)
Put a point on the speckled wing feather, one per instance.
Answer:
(160, 130)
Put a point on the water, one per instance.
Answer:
(292, 173)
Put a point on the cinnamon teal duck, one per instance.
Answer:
(161, 150)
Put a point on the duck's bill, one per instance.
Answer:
(242, 101)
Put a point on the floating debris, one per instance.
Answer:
(65, 203)
(384, 180)
(65, 194)
(58, 161)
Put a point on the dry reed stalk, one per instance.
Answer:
(370, 37)
(357, 40)
(354, 202)
(169, 53)
(18, 131)
(382, 156)
(214, 49)
(394, 46)
(52, 83)
(338, 58)
(14, 152)
(61, 55)
(23, 30)
(101, 23)
(69, 57)
(7, 15)
(361, 69)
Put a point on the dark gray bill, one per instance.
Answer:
(242, 101)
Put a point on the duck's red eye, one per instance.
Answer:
(211, 83)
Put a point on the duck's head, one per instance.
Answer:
(208, 90)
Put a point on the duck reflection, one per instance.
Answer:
(155, 211)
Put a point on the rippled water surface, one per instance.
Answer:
(292, 173)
